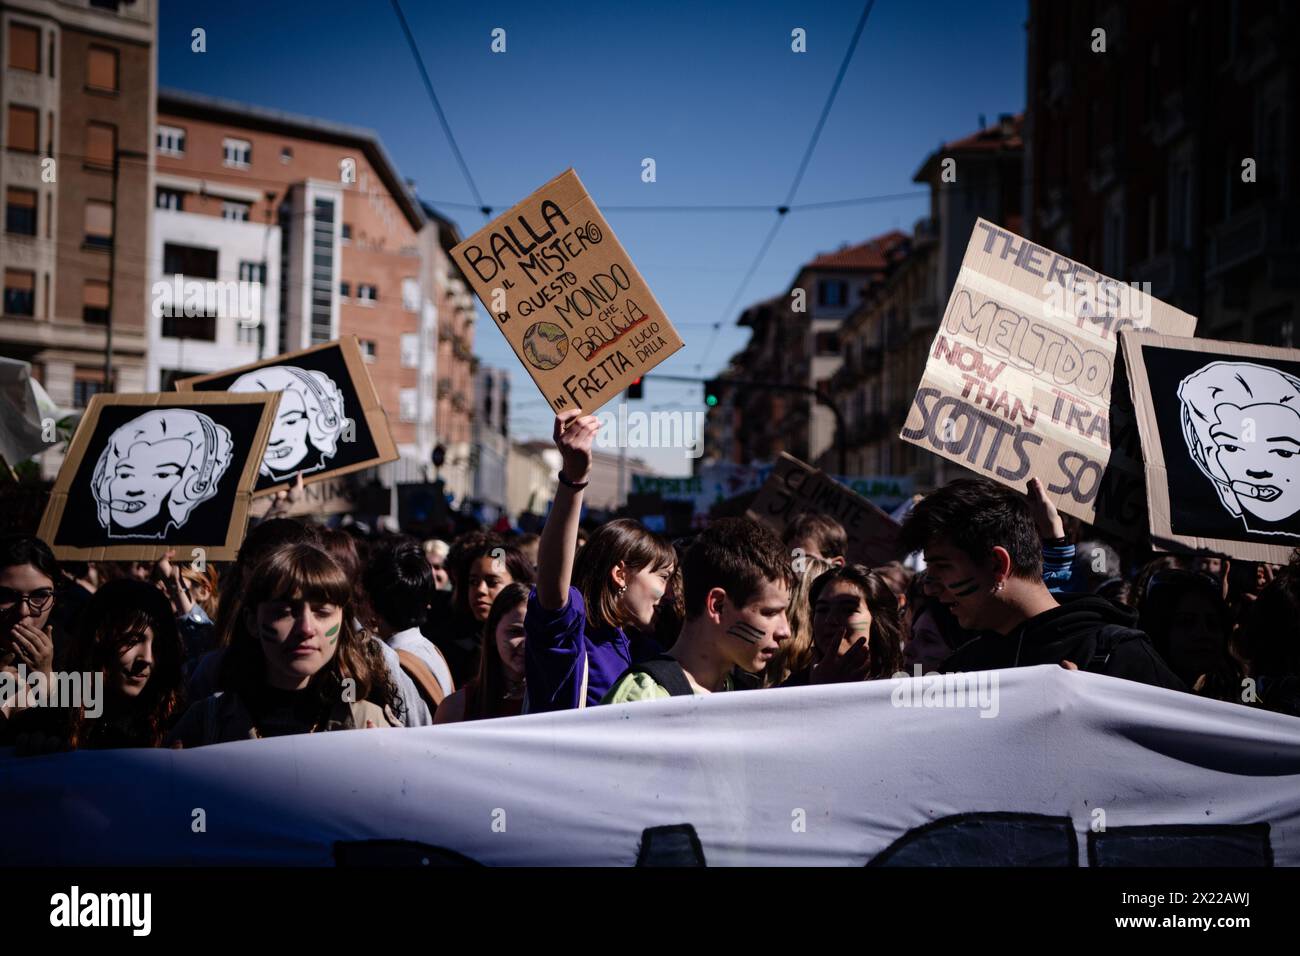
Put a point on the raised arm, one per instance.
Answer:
(574, 433)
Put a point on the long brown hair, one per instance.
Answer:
(885, 641)
(622, 540)
(796, 654)
(114, 616)
(305, 572)
(491, 673)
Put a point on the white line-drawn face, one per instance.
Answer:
(308, 422)
(288, 445)
(156, 468)
(144, 478)
(1241, 422)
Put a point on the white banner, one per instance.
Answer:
(1040, 766)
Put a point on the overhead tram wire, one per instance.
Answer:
(798, 177)
(442, 117)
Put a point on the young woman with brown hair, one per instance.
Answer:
(296, 663)
(498, 688)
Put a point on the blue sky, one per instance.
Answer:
(713, 93)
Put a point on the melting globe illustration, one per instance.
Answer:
(545, 345)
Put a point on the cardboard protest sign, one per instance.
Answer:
(145, 473)
(331, 495)
(1220, 428)
(567, 297)
(794, 488)
(1021, 377)
(329, 421)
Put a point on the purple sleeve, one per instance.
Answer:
(555, 643)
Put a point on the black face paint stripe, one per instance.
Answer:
(962, 585)
(746, 632)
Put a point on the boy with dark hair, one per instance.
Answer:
(985, 563)
(398, 583)
(817, 536)
(736, 579)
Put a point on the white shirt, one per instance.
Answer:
(413, 642)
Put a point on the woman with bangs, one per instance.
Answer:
(593, 611)
(296, 663)
(856, 633)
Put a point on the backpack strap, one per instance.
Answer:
(1110, 637)
(423, 678)
(586, 673)
(667, 673)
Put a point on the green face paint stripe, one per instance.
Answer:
(333, 630)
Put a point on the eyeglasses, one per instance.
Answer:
(37, 600)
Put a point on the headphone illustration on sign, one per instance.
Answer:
(199, 484)
(327, 419)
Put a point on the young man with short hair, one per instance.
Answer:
(984, 560)
(817, 536)
(736, 580)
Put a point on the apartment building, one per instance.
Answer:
(76, 123)
(310, 225)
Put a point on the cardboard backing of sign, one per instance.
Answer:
(567, 297)
(1022, 373)
(331, 495)
(371, 423)
(216, 525)
(1220, 427)
(794, 488)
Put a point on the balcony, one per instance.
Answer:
(1239, 239)
(1168, 272)
(922, 317)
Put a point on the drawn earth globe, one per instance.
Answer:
(545, 345)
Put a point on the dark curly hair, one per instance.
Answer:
(885, 640)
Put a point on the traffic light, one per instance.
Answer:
(712, 392)
(635, 389)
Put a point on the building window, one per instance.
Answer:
(101, 69)
(88, 382)
(24, 48)
(322, 275)
(237, 153)
(286, 154)
(368, 349)
(202, 326)
(235, 211)
(20, 292)
(347, 232)
(827, 343)
(94, 302)
(410, 295)
(367, 293)
(408, 404)
(189, 261)
(170, 199)
(20, 211)
(410, 349)
(99, 224)
(246, 334)
(101, 144)
(106, 4)
(832, 293)
(345, 290)
(252, 272)
(24, 129)
(171, 141)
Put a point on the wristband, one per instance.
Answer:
(575, 485)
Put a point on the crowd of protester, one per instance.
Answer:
(315, 629)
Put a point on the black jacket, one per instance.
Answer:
(1092, 632)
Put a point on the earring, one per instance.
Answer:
(999, 586)
(621, 590)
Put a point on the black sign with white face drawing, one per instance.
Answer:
(1227, 420)
(156, 469)
(328, 421)
(146, 473)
